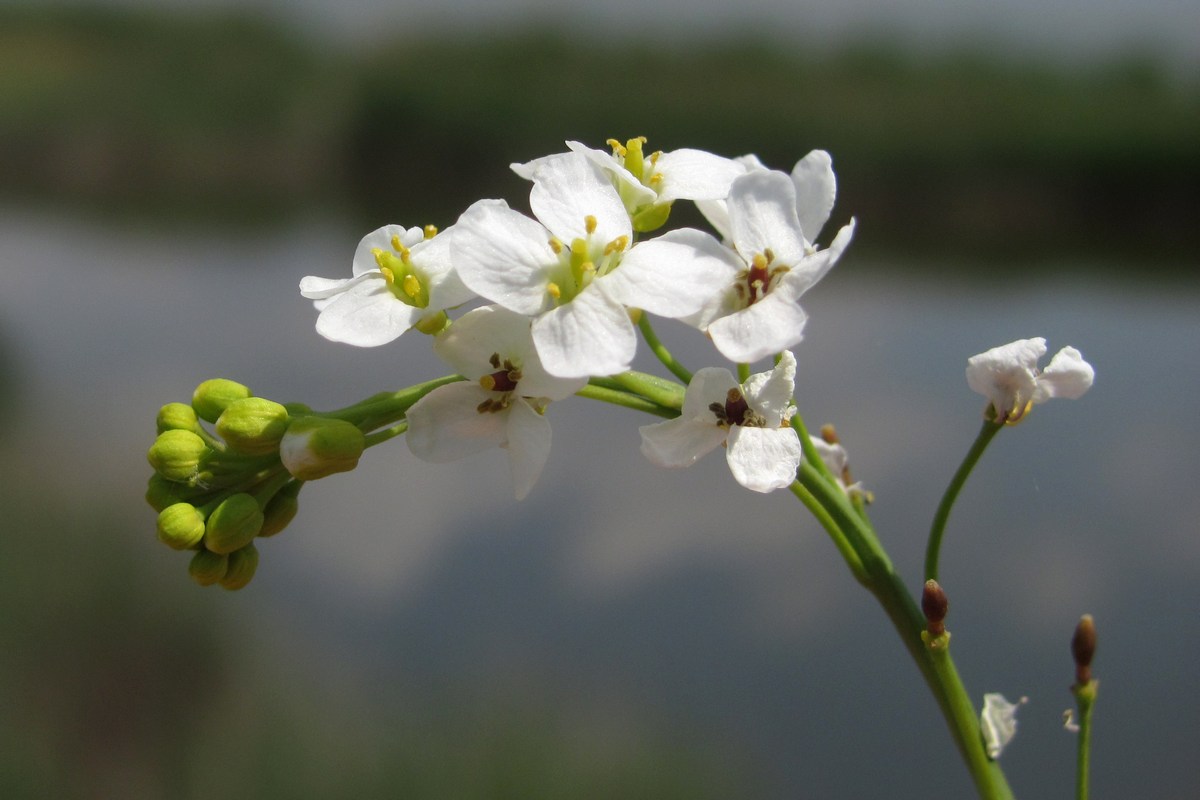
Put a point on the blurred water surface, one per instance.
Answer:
(416, 632)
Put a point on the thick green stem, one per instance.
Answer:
(621, 397)
(937, 530)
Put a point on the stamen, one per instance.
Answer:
(736, 407)
(553, 290)
(556, 246)
(589, 223)
(617, 148)
(617, 245)
(430, 231)
(412, 286)
(396, 244)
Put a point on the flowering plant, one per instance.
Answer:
(532, 310)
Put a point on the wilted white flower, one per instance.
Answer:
(998, 722)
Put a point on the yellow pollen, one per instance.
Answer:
(412, 286)
(553, 290)
(388, 275)
(617, 148)
(761, 261)
(589, 222)
(656, 180)
(556, 246)
(429, 231)
(654, 156)
(396, 245)
(488, 382)
(617, 245)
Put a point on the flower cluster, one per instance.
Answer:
(561, 294)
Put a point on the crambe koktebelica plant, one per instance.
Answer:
(531, 311)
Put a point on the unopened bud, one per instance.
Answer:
(242, 566)
(208, 567)
(281, 509)
(1083, 648)
(315, 447)
(180, 526)
(212, 397)
(233, 524)
(253, 425)
(176, 416)
(935, 604)
(176, 454)
(651, 217)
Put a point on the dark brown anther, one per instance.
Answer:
(1083, 648)
(935, 604)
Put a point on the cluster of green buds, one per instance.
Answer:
(218, 490)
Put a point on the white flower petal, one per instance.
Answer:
(762, 216)
(632, 191)
(591, 335)
(816, 191)
(695, 175)
(366, 314)
(767, 327)
(381, 239)
(1067, 375)
(763, 459)
(432, 258)
(527, 438)
(469, 342)
(708, 385)
(770, 393)
(805, 274)
(315, 288)
(568, 190)
(680, 442)
(503, 256)
(674, 275)
(445, 424)
(998, 722)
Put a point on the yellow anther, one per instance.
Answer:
(617, 245)
(656, 180)
(587, 267)
(430, 231)
(654, 156)
(589, 223)
(617, 148)
(379, 256)
(770, 256)
(412, 285)
(761, 261)
(553, 290)
(556, 246)
(387, 274)
(396, 244)
(488, 382)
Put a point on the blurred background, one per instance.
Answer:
(168, 173)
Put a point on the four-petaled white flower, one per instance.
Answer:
(503, 405)
(998, 722)
(649, 184)
(400, 279)
(1008, 377)
(554, 269)
(751, 419)
(750, 294)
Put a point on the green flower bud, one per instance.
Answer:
(213, 396)
(180, 526)
(315, 447)
(253, 425)
(161, 492)
(242, 566)
(176, 454)
(176, 416)
(233, 524)
(651, 218)
(207, 567)
(281, 509)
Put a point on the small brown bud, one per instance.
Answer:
(1083, 648)
(935, 604)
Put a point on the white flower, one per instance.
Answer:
(746, 298)
(504, 404)
(837, 461)
(998, 722)
(649, 184)
(555, 268)
(1008, 377)
(400, 279)
(763, 451)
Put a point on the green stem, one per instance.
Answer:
(938, 529)
(1085, 696)
(620, 397)
(660, 351)
(381, 436)
(660, 391)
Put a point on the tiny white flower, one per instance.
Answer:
(502, 406)
(998, 722)
(746, 298)
(1009, 378)
(649, 184)
(751, 419)
(400, 279)
(555, 268)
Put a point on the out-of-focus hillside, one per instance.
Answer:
(231, 117)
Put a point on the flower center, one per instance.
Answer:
(503, 382)
(736, 411)
(404, 279)
(753, 284)
(582, 262)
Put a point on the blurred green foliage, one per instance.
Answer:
(233, 117)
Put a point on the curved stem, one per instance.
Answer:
(660, 351)
(621, 397)
(938, 529)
